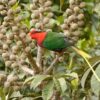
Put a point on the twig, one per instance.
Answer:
(27, 70)
(52, 65)
(39, 58)
(30, 58)
(79, 52)
(21, 97)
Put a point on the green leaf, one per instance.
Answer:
(38, 79)
(94, 61)
(15, 6)
(61, 4)
(97, 8)
(2, 94)
(60, 19)
(74, 83)
(28, 79)
(57, 84)
(95, 84)
(47, 92)
(63, 84)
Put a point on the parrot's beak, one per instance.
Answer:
(29, 33)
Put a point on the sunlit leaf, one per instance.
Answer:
(97, 8)
(28, 79)
(57, 84)
(2, 94)
(47, 91)
(63, 84)
(61, 3)
(94, 62)
(95, 85)
(74, 83)
(38, 79)
(80, 52)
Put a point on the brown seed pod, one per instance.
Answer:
(1, 36)
(71, 2)
(76, 33)
(8, 41)
(4, 1)
(5, 55)
(45, 20)
(32, 45)
(18, 9)
(8, 63)
(42, 1)
(15, 28)
(7, 85)
(5, 46)
(38, 25)
(16, 88)
(41, 9)
(69, 11)
(47, 3)
(47, 9)
(10, 12)
(34, 15)
(64, 26)
(76, 9)
(5, 24)
(66, 33)
(61, 59)
(6, 18)
(19, 43)
(23, 56)
(74, 26)
(80, 23)
(15, 48)
(12, 2)
(12, 57)
(2, 76)
(33, 6)
(14, 65)
(3, 12)
(71, 18)
(22, 35)
(1, 7)
(35, 1)
(10, 36)
(80, 16)
(82, 5)
(50, 14)
(27, 49)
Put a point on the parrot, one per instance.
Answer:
(53, 41)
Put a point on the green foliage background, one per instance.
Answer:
(72, 80)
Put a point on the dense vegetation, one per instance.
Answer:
(28, 72)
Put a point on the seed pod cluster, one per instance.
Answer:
(74, 19)
(10, 80)
(41, 14)
(14, 40)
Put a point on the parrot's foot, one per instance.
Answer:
(49, 69)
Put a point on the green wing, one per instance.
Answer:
(55, 41)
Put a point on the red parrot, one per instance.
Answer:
(51, 40)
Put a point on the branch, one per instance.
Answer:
(39, 57)
(27, 70)
(30, 58)
(52, 65)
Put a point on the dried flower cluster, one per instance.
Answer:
(16, 45)
(74, 19)
(41, 14)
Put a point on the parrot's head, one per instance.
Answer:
(38, 35)
(34, 33)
